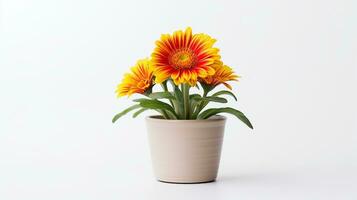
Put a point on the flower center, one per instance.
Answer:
(182, 58)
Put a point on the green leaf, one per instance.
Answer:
(199, 103)
(178, 94)
(140, 100)
(117, 116)
(179, 101)
(195, 97)
(156, 104)
(213, 111)
(194, 101)
(161, 95)
(172, 115)
(215, 99)
(224, 92)
(139, 112)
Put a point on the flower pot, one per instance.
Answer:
(185, 151)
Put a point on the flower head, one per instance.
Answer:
(184, 57)
(138, 81)
(223, 74)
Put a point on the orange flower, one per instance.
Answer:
(184, 57)
(223, 74)
(138, 81)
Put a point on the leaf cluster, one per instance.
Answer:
(179, 104)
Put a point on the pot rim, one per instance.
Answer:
(159, 118)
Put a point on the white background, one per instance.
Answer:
(60, 62)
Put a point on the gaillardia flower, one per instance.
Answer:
(138, 81)
(184, 57)
(223, 74)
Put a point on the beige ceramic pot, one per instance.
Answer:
(185, 151)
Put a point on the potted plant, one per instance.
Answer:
(185, 137)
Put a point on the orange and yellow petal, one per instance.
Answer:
(184, 57)
(222, 74)
(138, 80)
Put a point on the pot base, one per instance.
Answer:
(200, 182)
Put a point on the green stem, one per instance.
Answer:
(186, 100)
(173, 103)
(164, 86)
(200, 106)
(164, 114)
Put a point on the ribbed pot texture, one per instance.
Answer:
(185, 151)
